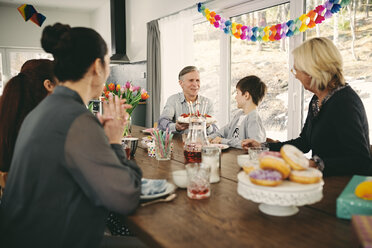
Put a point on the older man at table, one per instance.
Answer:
(177, 104)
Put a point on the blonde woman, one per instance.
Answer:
(336, 127)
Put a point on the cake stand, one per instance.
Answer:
(281, 200)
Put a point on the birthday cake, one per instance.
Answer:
(185, 118)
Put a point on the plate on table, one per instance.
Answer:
(148, 130)
(169, 189)
(221, 146)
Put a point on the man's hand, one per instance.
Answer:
(181, 126)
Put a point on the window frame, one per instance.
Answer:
(5, 55)
(295, 88)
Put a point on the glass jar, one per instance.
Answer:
(198, 185)
(211, 156)
(196, 139)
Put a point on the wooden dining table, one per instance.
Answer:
(226, 219)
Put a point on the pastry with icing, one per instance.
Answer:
(308, 176)
(274, 161)
(294, 157)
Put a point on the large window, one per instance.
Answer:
(12, 59)
(351, 31)
(268, 61)
(207, 59)
(227, 59)
(1, 75)
(19, 57)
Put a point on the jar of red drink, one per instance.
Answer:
(196, 139)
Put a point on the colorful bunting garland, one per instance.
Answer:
(277, 31)
(28, 12)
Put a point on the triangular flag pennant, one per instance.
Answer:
(38, 19)
(26, 11)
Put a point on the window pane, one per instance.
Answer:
(357, 55)
(1, 75)
(17, 59)
(207, 59)
(268, 61)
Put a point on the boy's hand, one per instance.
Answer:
(216, 140)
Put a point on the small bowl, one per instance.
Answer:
(180, 178)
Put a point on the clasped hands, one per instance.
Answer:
(114, 118)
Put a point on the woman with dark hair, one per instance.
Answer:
(21, 94)
(68, 167)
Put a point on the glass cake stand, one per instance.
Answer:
(281, 200)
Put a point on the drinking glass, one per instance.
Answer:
(162, 151)
(254, 152)
(129, 145)
(211, 155)
(198, 186)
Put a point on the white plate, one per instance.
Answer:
(222, 146)
(147, 131)
(208, 121)
(170, 188)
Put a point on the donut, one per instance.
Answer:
(364, 190)
(294, 157)
(250, 166)
(273, 161)
(311, 175)
(265, 177)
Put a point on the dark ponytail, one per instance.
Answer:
(74, 49)
(21, 94)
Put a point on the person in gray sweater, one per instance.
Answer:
(246, 123)
(69, 169)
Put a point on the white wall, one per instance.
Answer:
(101, 22)
(139, 12)
(15, 32)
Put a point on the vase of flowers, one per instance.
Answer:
(132, 94)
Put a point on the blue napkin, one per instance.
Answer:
(153, 186)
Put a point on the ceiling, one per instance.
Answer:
(82, 5)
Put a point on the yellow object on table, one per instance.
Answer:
(364, 190)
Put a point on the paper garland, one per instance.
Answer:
(277, 31)
(28, 12)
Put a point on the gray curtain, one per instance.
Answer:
(153, 73)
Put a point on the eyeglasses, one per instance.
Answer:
(294, 72)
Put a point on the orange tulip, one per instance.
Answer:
(111, 87)
(144, 96)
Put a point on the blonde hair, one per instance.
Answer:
(319, 58)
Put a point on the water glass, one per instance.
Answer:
(198, 186)
(162, 151)
(254, 152)
(211, 155)
(129, 145)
